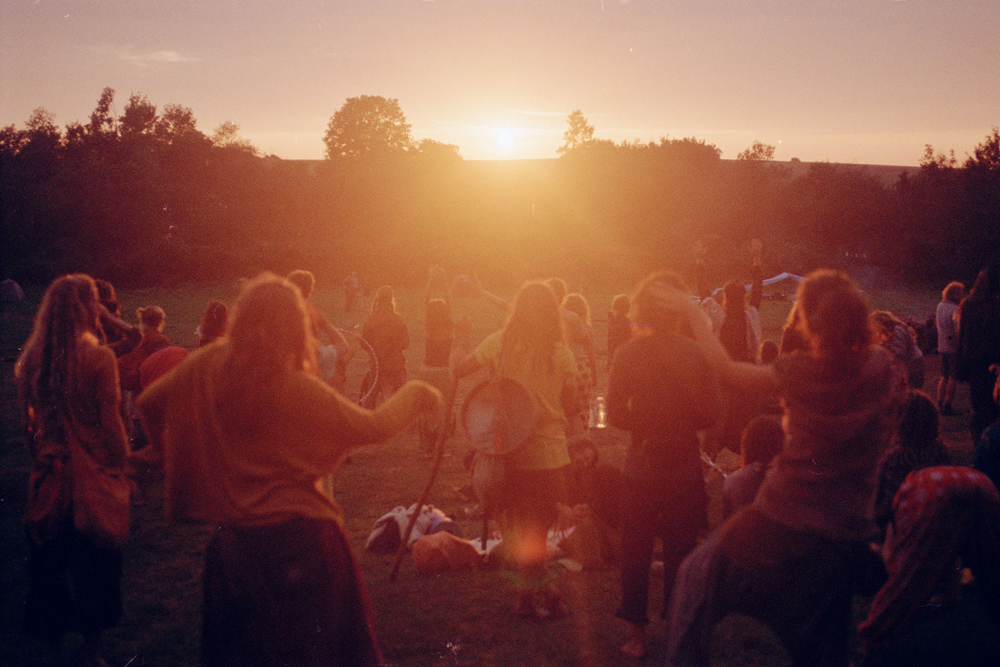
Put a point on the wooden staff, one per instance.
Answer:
(438, 455)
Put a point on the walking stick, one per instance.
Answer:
(438, 455)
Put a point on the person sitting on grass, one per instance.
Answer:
(594, 501)
(929, 612)
(762, 440)
(915, 445)
(245, 429)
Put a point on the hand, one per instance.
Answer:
(432, 404)
(756, 251)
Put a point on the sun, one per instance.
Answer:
(505, 137)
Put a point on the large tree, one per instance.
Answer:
(367, 126)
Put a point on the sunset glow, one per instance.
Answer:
(505, 138)
(869, 81)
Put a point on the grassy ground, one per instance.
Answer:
(456, 618)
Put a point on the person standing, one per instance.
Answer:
(245, 429)
(662, 390)
(386, 331)
(947, 345)
(70, 391)
(978, 318)
(531, 350)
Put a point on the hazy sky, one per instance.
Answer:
(839, 80)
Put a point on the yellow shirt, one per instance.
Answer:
(269, 471)
(545, 447)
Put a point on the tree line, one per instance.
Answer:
(145, 197)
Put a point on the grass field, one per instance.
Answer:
(456, 618)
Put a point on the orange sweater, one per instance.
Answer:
(268, 472)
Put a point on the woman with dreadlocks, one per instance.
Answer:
(69, 385)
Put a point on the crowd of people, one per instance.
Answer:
(845, 487)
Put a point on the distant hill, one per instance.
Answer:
(886, 174)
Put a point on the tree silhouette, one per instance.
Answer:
(227, 135)
(579, 132)
(758, 152)
(367, 126)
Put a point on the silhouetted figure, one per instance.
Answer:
(386, 331)
(796, 556)
(245, 430)
(944, 518)
(979, 347)
(69, 386)
(915, 445)
(661, 390)
(531, 350)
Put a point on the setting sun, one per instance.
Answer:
(505, 138)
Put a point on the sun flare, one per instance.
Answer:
(505, 138)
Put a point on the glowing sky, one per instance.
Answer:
(839, 80)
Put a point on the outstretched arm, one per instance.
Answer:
(756, 273)
(497, 301)
(740, 376)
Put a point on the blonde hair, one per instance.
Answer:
(270, 337)
(953, 292)
(534, 325)
(46, 371)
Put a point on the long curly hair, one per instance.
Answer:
(269, 337)
(47, 370)
(534, 325)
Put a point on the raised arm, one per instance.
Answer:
(740, 376)
(756, 273)
(497, 301)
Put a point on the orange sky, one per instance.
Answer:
(867, 81)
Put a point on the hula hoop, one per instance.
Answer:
(372, 358)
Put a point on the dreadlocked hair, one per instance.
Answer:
(46, 372)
